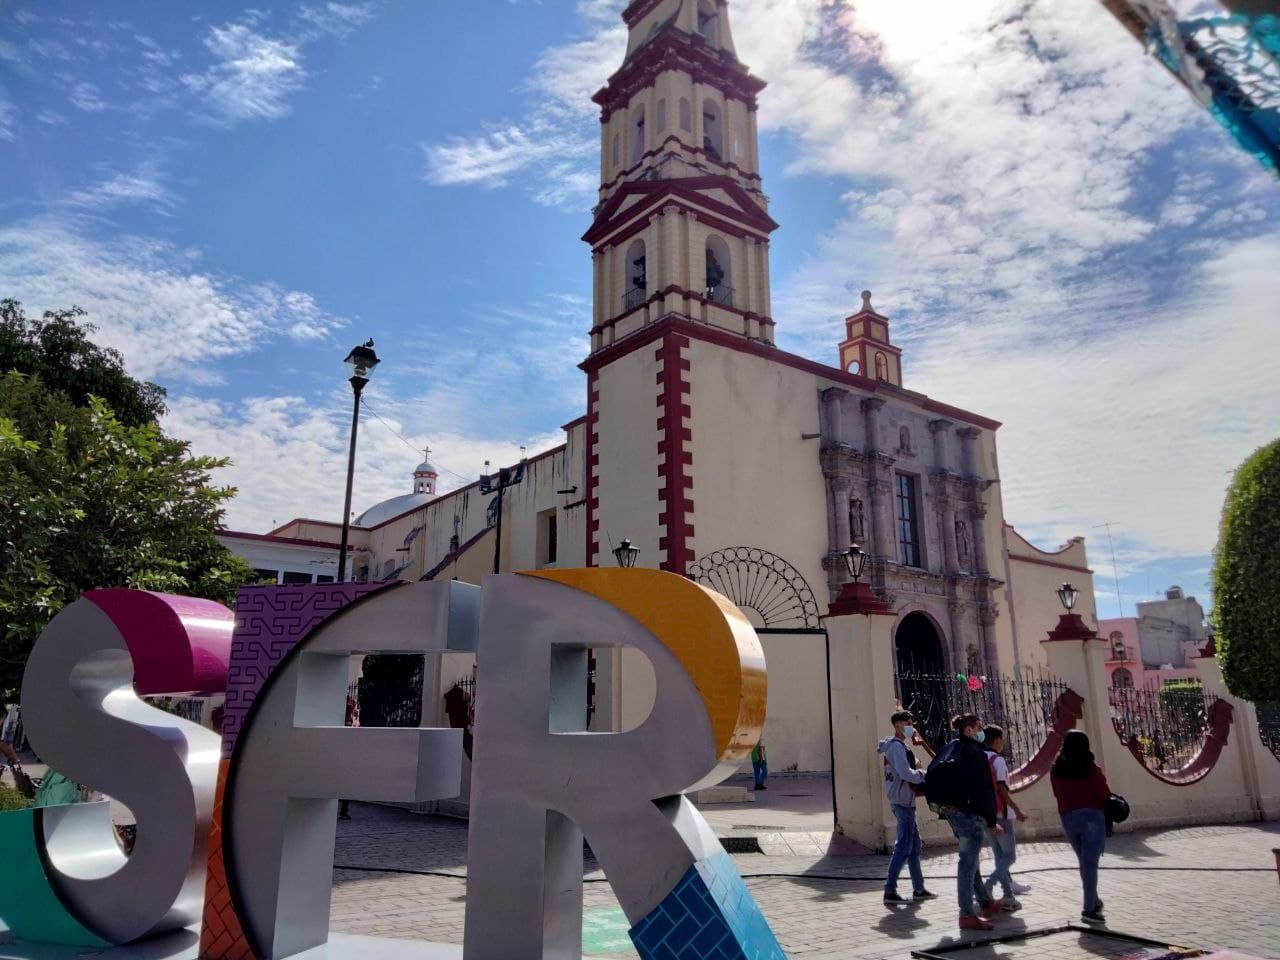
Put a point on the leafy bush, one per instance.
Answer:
(1246, 579)
(11, 799)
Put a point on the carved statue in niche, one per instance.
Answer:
(962, 543)
(904, 439)
(882, 367)
(857, 525)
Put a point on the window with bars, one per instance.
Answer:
(908, 521)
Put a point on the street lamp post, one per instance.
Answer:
(498, 483)
(361, 360)
(625, 553)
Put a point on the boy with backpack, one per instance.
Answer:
(901, 778)
(1004, 844)
(959, 787)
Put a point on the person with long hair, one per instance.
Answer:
(1082, 793)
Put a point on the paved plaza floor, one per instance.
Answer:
(402, 875)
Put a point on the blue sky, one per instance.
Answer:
(239, 194)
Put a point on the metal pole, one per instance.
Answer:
(831, 738)
(357, 385)
(497, 544)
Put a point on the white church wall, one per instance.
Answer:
(796, 731)
(1032, 605)
(757, 482)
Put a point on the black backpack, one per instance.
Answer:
(945, 781)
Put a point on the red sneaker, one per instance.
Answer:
(991, 909)
(976, 923)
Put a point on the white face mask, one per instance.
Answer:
(908, 731)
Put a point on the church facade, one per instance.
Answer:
(721, 456)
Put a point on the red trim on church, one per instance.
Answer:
(689, 193)
(686, 148)
(593, 461)
(723, 338)
(676, 50)
(675, 484)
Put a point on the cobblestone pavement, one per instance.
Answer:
(1200, 886)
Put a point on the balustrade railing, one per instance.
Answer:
(1269, 727)
(1165, 727)
(634, 297)
(720, 293)
(1023, 705)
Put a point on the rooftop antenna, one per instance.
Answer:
(1115, 570)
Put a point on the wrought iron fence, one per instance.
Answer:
(720, 293)
(188, 708)
(634, 297)
(390, 691)
(1022, 705)
(1165, 726)
(1269, 726)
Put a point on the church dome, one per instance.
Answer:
(426, 466)
(384, 511)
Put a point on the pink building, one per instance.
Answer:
(1157, 645)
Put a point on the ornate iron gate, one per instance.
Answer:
(762, 582)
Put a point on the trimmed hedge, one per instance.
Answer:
(1246, 579)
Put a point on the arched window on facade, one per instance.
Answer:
(718, 276)
(637, 276)
(637, 135)
(712, 130)
(1118, 651)
(686, 115)
(882, 367)
(660, 116)
(707, 21)
(1122, 679)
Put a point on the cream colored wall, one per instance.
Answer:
(627, 451)
(796, 732)
(1030, 595)
(756, 483)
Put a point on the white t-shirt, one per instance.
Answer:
(1000, 767)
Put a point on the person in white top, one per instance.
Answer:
(1004, 844)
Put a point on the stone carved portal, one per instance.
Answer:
(769, 591)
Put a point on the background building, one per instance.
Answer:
(723, 457)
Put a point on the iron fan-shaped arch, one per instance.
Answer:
(761, 582)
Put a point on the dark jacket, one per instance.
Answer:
(978, 779)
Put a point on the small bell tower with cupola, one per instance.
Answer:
(425, 475)
(866, 349)
(682, 225)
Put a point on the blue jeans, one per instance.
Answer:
(1086, 831)
(971, 831)
(906, 849)
(1004, 846)
(761, 772)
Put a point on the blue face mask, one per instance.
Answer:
(908, 731)
(980, 736)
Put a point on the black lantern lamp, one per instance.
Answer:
(362, 360)
(855, 561)
(626, 554)
(1068, 595)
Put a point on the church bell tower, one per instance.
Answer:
(682, 225)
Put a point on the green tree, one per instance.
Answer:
(57, 349)
(88, 501)
(1246, 579)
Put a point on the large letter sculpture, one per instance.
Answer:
(539, 783)
(65, 878)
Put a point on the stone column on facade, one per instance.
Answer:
(683, 267)
(939, 428)
(765, 303)
(832, 408)
(947, 507)
(955, 618)
(877, 484)
(968, 450)
(665, 274)
(597, 283)
(980, 536)
(860, 679)
(841, 485)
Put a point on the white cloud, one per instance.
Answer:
(338, 19)
(169, 319)
(290, 454)
(252, 77)
(556, 147)
(87, 97)
(8, 117)
(143, 185)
